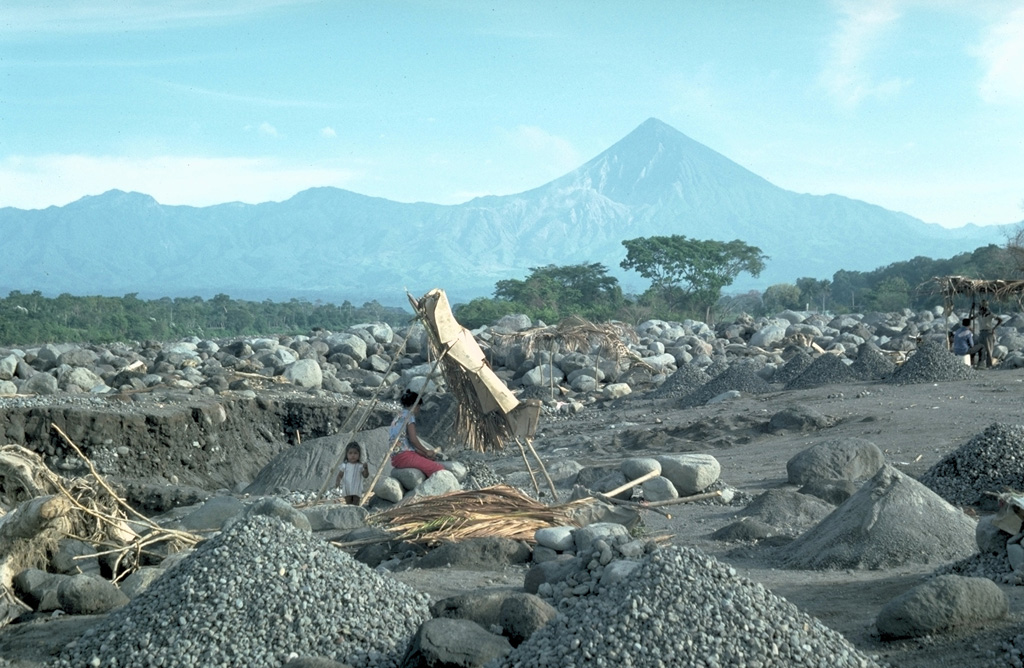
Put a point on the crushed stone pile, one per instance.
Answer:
(872, 363)
(795, 366)
(931, 363)
(686, 379)
(994, 566)
(892, 520)
(683, 608)
(251, 596)
(739, 377)
(992, 461)
(585, 573)
(828, 369)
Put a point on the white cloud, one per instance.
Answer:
(38, 182)
(846, 75)
(267, 129)
(556, 152)
(328, 132)
(1002, 54)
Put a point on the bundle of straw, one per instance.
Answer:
(501, 511)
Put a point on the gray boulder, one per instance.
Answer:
(304, 373)
(841, 459)
(88, 595)
(487, 553)
(454, 643)
(690, 473)
(941, 604)
(522, 614)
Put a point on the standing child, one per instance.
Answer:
(350, 477)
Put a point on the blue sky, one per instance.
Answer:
(915, 105)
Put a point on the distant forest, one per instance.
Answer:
(27, 319)
(32, 319)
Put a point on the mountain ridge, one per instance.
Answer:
(334, 244)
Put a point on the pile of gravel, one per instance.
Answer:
(683, 608)
(931, 363)
(585, 574)
(990, 462)
(828, 369)
(686, 379)
(253, 595)
(739, 377)
(994, 566)
(872, 363)
(795, 366)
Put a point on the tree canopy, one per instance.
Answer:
(691, 272)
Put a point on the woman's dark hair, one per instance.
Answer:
(409, 398)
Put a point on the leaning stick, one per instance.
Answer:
(543, 469)
(630, 504)
(644, 478)
(529, 469)
(685, 499)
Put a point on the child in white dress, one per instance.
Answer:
(350, 477)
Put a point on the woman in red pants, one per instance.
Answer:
(411, 452)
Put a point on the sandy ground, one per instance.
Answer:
(914, 426)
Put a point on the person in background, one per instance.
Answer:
(987, 323)
(350, 477)
(411, 452)
(963, 338)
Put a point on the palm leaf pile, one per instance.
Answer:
(573, 334)
(500, 510)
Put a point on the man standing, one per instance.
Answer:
(963, 339)
(987, 323)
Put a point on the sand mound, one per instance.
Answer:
(892, 520)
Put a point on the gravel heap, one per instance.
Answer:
(990, 462)
(995, 567)
(741, 377)
(872, 363)
(683, 608)
(931, 363)
(686, 379)
(828, 369)
(251, 596)
(796, 365)
(586, 570)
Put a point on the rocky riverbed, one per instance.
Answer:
(194, 422)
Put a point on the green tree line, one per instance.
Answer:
(27, 319)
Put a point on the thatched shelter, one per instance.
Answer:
(951, 287)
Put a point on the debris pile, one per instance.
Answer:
(683, 608)
(990, 462)
(252, 595)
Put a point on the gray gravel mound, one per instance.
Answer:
(891, 521)
(683, 608)
(828, 369)
(872, 363)
(931, 363)
(250, 596)
(686, 379)
(739, 377)
(795, 366)
(991, 461)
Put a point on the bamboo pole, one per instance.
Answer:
(526, 462)
(642, 479)
(543, 469)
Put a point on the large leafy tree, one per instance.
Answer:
(691, 272)
(562, 290)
